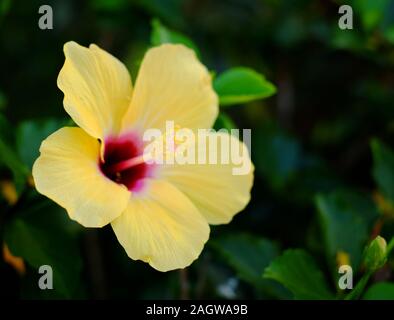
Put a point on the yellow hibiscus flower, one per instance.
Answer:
(159, 213)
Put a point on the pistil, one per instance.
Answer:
(127, 164)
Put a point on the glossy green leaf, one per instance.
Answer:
(161, 34)
(224, 122)
(371, 11)
(10, 160)
(241, 85)
(42, 234)
(345, 219)
(30, 134)
(8, 157)
(389, 34)
(383, 168)
(297, 271)
(249, 256)
(5, 6)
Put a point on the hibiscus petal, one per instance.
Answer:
(162, 227)
(214, 188)
(97, 89)
(67, 172)
(172, 85)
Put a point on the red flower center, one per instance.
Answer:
(123, 161)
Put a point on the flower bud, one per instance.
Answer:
(376, 254)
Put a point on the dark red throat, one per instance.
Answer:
(119, 163)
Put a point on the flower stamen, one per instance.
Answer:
(127, 164)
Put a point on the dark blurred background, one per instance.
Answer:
(334, 94)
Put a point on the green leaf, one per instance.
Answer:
(161, 34)
(8, 157)
(241, 85)
(371, 11)
(30, 134)
(224, 122)
(298, 272)
(10, 160)
(249, 256)
(345, 218)
(5, 6)
(383, 168)
(389, 34)
(29, 289)
(42, 234)
(380, 291)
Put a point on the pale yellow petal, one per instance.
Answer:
(172, 85)
(162, 227)
(217, 190)
(67, 172)
(97, 89)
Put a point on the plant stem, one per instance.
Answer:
(184, 284)
(358, 290)
(95, 265)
